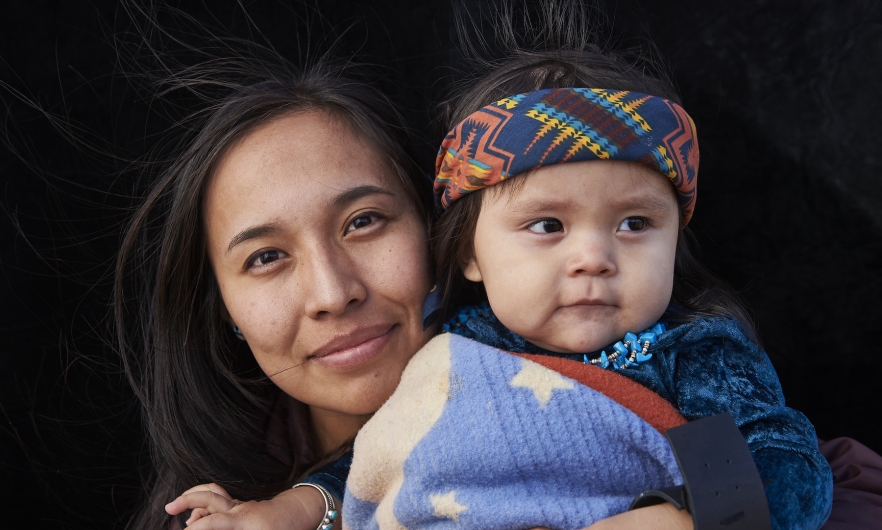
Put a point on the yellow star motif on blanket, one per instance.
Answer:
(446, 506)
(542, 381)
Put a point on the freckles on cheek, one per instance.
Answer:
(262, 315)
(403, 268)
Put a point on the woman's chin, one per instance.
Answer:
(366, 396)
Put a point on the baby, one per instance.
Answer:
(568, 204)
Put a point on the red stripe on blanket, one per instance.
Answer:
(651, 407)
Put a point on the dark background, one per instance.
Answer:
(784, 94)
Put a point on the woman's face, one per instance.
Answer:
(321, 260)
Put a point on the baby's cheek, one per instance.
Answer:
(516, 323)
(523, 316)
(649, 302)
(520, 297)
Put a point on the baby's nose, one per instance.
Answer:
(591, 256)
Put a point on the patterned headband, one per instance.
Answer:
(546, 127)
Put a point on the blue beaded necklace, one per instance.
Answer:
(631, 351)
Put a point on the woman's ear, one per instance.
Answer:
(471, 270)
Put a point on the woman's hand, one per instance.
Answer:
(214, 509)
(659, 517)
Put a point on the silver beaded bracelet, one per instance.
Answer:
(331, 512)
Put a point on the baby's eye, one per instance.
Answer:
(546, 226)
(263, 257)
(362, 221)
(633, 224)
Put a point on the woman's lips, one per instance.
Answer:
(354, 348)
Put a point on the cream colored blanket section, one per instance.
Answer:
(401, 423)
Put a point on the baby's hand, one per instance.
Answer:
(213, 508)
(204, 499)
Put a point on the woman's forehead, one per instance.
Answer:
(297, 146)
(297, 165)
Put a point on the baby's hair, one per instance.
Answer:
(561, 55)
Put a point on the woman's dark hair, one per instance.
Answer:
(558, 51)
(206, 405)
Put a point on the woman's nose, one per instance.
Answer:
(592, 255)
(332, 284)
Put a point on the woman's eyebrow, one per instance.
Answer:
(252, 232)
(353, 194)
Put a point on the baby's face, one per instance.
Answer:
(580, 255)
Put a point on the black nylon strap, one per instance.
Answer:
(723, 487)
(675, 495)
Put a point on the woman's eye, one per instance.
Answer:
(546, 226)
(264, 258)
(362, 221)
(633, 224)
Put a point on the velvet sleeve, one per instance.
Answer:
(333, 476)
(712, 367)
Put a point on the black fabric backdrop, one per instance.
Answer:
(784, 94)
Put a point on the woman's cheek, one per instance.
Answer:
(407, 263)
(265, 316)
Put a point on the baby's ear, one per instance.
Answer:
(471, 270)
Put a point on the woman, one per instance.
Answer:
(290, 227)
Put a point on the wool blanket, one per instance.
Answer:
(475, 437)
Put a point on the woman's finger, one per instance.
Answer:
(210, 501)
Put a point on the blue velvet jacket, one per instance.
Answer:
(703, 368)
